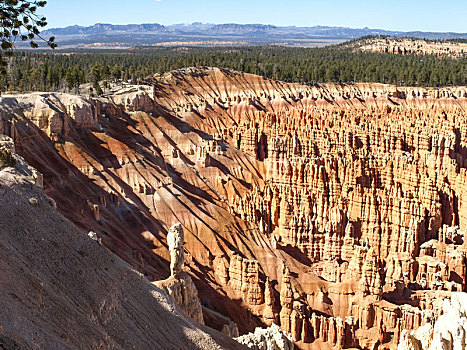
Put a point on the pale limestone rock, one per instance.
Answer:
(52, 113)
(7, 143)
(448, 332)
(271, 338)
(182, 291)
(31, 173)
(21, 166)
(408, 46)
(135, 99)
(94, 237)
(179, 286)
(175, 241)
(450, 329)
(408, 341)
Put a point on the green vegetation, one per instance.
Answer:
(457, 40)
(365, 38)
(68, 70)
(6, 158)
(19, 21)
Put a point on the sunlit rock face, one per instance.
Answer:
(409, 46)
(179, 286)
(447, 332)
(60, 288)
(336, 211)
(271, 338)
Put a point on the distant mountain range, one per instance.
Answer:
(110, 35)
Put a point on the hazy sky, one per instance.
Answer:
(405, 15)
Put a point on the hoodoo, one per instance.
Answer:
(179, 286)
(61, 289)
(336, 212)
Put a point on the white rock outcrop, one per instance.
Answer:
(271, 338)
(17, 163)
(449, 332)
(52, 113)
(135, 99)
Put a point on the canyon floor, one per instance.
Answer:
(335, 211)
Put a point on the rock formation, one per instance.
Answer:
(271, 338)
(60, 289)
(179, 286)
(10, 159)
(448, 332)
(175, 240)
(230, 329)
(244, 279)
(337, 211)
(406, 46)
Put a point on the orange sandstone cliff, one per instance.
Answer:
(335, 211)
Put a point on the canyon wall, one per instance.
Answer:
(407, 46)
(60, 289)
(335, 211)
(448, 332)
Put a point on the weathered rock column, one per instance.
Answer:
(179, 286)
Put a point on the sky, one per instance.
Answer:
(403, 15)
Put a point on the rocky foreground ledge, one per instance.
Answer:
(60, 289)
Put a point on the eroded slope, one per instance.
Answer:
(337, 211)
(407, 46)
(62, 290)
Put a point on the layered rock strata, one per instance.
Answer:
(337, 211)
(407, 46)
(60, 289)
